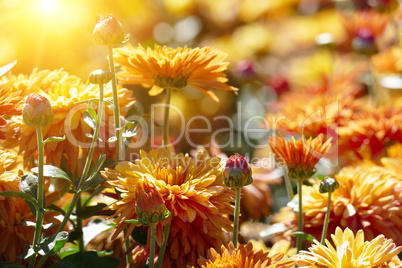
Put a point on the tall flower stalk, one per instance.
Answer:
(116, 109)
(97, 77)
(166, 118)
(236, 175)
(41, 196)
(327, 185)
(300, 157)
(109, 32)
(37, 112)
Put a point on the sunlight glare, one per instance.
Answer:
(48, 5)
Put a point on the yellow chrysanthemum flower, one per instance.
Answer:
(349, 251)
(194, 193)
(244, 256)
(368, 198)
(63, 92)
(173, 68)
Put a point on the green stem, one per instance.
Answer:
(116, 108)
(127, 245)
(77, 195)
(236, 217)
(166, 232)
(152, 246)
(88, 161)
(79, 226)
(326, 221)
(166, 118)
(289, 188)
(300, 195)
(40, 197)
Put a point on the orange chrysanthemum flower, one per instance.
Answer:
(369, 132)
(14, 211)
(301, 156)
(387, 61)
(369, 19)
(363, 28)
(173, 68)
(9, 102)
(368, 198)
(9, 181)
(14, 241)
(243, 257)
(68, 119)
(194, 193)
(349, 251)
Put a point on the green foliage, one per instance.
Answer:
(87, 259)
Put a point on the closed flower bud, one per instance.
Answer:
(100, 77)
(237, 172)
(364, 41)
(328, 185)
(37, 111)
(108, 31)
(150, 206)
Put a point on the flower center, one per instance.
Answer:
(171, 82)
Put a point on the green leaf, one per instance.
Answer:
(112, 139)
(140, 234)
(90, 211)
(89, 135)
(87, 259)
(89, 120)
(28, 223)
(48, 226)
(6, 264)
(56, 208)
(131, 221)
(303, 235)
(68, 250)
(7, 67)
(109, 162)
(92, 112)
(96, 167)
(103, 253)
(128, 134)
(27, 253)
(55, 139)
(94, 182)
(25, 196)
(29, 185)
(53, 172)
(52, 244)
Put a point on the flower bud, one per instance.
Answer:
(328, 185)
(108, 30)
(37, 111)
(364, 41)
(100, 77)
(150, 206)
(237, 173)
